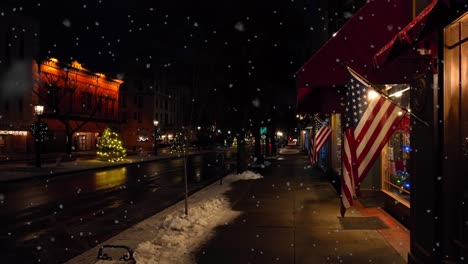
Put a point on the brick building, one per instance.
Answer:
(79, 104)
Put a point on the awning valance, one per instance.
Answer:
(355, 44)
(320, 100)
(432, 16)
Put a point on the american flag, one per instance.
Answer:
(369, 121)
(311, 146)
(322, 133)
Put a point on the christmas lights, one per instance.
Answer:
(39, 130)
(110, 147)
(180, 143)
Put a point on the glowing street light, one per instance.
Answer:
(39, 131)
(156, 136)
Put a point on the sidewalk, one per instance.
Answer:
(289, 216)
(20, 170)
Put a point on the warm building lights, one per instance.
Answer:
(399, 93)
(14, 132)
(372, 94)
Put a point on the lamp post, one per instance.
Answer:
(199, 138)
(39, 131)
(156, 136)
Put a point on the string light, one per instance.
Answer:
(110, 147)
(180, 143)
(39, 130)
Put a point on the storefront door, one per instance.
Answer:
(82, 142)
(456, 137)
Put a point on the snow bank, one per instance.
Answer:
(246, 175)
(178, 235)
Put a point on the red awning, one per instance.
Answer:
(355, 44)
(320, 100)
(432, 16)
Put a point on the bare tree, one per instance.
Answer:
(57, 91)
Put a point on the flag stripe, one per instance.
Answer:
(368, 118)
(375, 137)
(365, 168)
(348, 180)
(318, 140)
(373, 134)
(311, 148)
(322, 137)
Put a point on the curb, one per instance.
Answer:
(97, 168)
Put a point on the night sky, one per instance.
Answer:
(252, 47)
(109, 34)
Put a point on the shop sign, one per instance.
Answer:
(13, 132)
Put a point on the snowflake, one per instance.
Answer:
(239, 26)
(66, 23)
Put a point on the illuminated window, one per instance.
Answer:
(396, 154)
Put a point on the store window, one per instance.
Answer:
(396, 154)
(336, 143)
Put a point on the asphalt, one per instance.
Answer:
(22, 167)
(290, 216)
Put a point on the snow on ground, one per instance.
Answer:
(246, 175)
(178, 235)
(257, 164)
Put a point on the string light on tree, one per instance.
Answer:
(39, 130)
(180, 143)
(110, 147)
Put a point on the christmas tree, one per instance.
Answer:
(110, 147)
(180, 143)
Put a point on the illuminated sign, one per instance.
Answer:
(13, 132)
(142, 139)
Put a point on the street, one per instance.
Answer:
(50, 220)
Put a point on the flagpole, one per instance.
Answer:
(385, 96)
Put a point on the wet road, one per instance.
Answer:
(51, 220)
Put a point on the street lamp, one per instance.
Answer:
(39, 132)
(156, 136)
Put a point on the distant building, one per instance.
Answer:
(144, 100)
(19, 45)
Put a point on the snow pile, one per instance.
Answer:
(246, 175)
(178, 235)
(266, 163)
(260, 163)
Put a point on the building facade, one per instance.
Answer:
(79, 104)
(19, 44)
(144, 100)
(422, 169)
